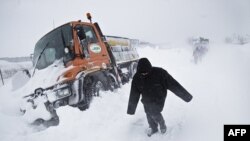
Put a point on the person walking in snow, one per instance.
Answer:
(152, 83)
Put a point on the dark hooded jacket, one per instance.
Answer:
(153, 87)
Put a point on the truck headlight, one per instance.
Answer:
(63, 92)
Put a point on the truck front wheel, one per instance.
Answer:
(91, 88)
(87, 90)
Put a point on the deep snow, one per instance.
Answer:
(219, 84)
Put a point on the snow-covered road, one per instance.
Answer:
(219, 84)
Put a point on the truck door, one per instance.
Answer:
(93, 52)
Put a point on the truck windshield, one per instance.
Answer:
(53, 45)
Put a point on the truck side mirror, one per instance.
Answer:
(80, 32)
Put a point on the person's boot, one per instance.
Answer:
(163, 128)
(152, 131)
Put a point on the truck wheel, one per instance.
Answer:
(86, 102)
(87, 92)
(90, 91)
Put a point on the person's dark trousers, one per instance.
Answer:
(154, 119)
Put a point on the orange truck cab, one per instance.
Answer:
(94, 62)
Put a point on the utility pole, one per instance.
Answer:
(1, 76)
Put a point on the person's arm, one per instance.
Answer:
(176, 87)
(133, 99)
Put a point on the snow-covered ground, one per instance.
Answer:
(219, 84)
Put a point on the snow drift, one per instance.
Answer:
(219, 85)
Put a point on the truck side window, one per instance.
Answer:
(90, 34)
(88, 37)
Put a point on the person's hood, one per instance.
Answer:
(144, 66)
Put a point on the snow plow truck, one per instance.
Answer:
(93, 62)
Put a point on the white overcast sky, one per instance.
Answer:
(23, 22)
